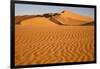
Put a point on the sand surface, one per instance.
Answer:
(53, 44)
(51, 39)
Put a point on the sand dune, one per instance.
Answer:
(66, 18)
(39, 21)
(47, 39)
(18, 19)
(70, 18)
(76, 16)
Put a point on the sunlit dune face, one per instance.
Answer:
(69, 21)
(42, 21)
(76, 16)
(70, 18)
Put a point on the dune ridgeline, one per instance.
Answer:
(65, 18)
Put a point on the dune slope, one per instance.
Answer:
(70, 18)
(38, 21)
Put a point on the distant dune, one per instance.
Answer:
(70, 18)
(66, 18)
(18, 19)
(40, 21)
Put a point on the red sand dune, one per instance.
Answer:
(70, 18)
(18, 19)
(64, 18)
(38, 21)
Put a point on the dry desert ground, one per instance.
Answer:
(43, 40)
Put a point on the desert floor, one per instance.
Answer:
(43, 45)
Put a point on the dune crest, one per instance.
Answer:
(70, 18)
(76, 16)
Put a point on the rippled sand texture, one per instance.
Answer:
(43, 45)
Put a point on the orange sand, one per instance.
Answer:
(42, 40)
(37, 45)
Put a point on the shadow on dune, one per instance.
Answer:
(88, 24)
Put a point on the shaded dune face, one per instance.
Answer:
(18, 19)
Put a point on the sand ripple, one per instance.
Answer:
(42, 46)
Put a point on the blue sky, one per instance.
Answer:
(27, 9)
